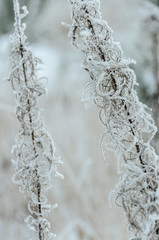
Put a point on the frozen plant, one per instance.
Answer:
(126, 119)
(34, 148)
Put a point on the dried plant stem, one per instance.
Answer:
(130, 126)
(40, 230)
(34, 149)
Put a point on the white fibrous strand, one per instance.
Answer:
(126, 119)
(34, 149)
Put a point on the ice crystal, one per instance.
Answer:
(126, 119)
(34, 148)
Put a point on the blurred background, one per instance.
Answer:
(83, 212)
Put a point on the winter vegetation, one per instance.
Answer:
(127, 121)
(83, 211)
(34, 150)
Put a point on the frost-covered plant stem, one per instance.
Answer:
(39, 207)
(126, 119)
(38, 185)
(34, 147)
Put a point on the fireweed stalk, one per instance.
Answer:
(34, 148)
(126, 119)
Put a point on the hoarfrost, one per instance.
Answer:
(126, 119)
(34, 148)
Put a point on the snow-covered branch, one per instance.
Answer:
(34, 148)
(126, 119)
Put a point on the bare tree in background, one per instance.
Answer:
(151, 26)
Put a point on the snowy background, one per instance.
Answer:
(83, 211)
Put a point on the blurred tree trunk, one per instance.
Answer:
(155, 97)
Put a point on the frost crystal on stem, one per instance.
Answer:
(34, 148)
(126, 119)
